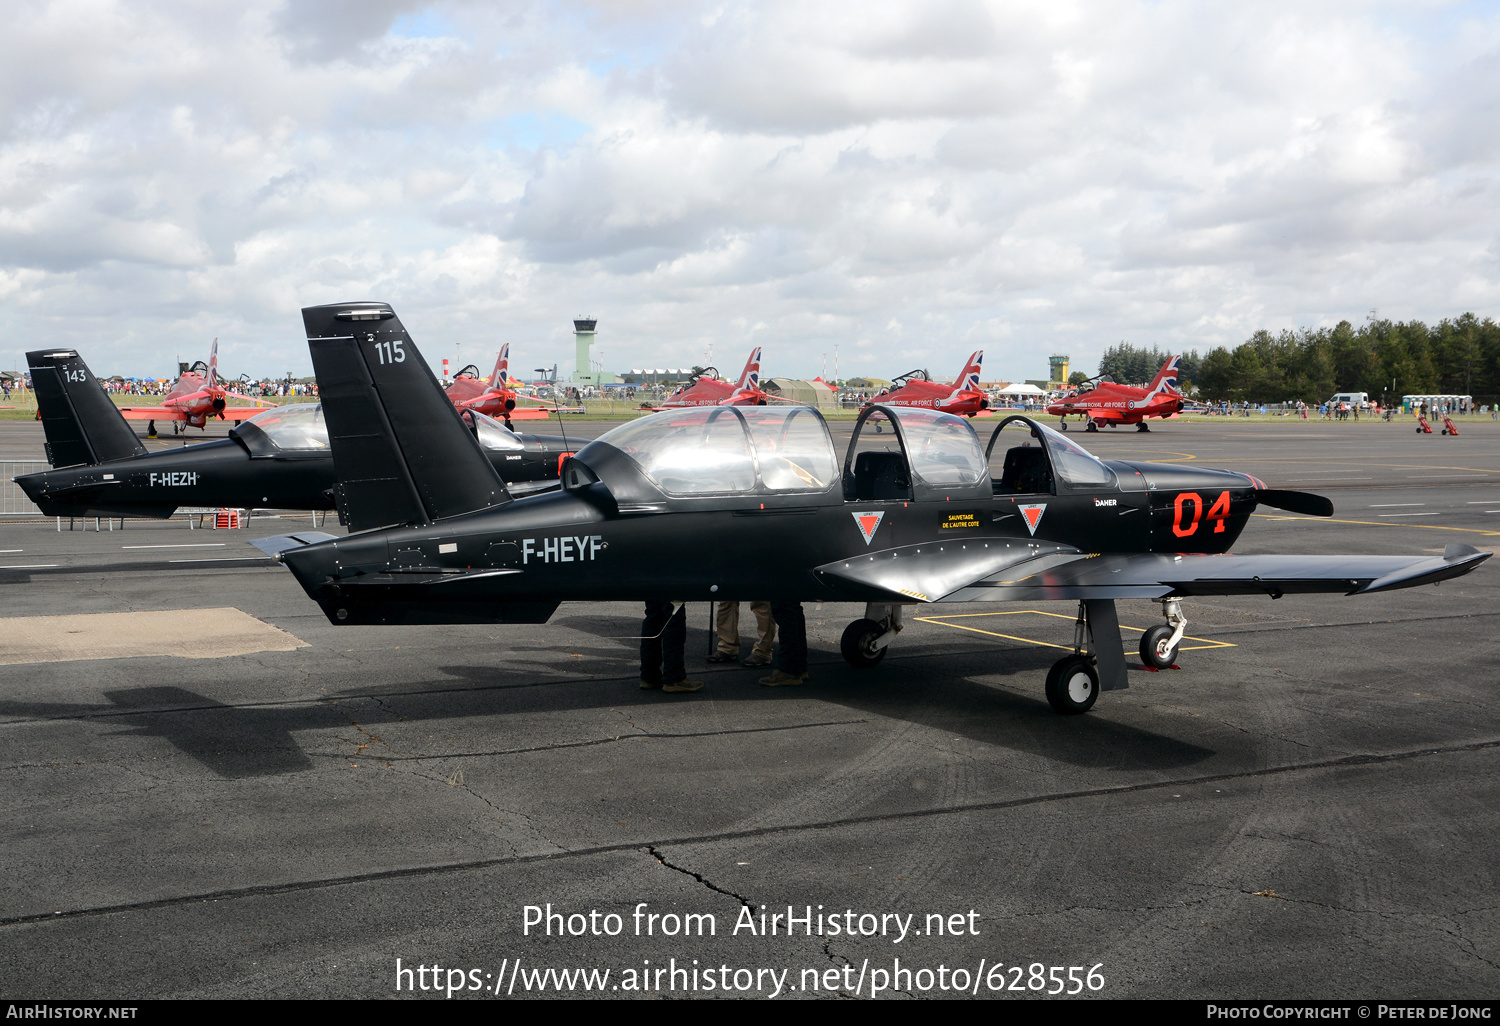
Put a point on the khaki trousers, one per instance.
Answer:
(728, 626)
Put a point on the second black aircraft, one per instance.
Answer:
(278, 459)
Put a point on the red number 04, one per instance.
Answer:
(1217, 514)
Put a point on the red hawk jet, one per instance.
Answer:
(195, 397)
(962, 398)
(707, 389)
(496, 397)
(1112, 404)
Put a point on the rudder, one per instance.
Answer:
(83, 426)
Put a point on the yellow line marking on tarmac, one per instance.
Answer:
(943, 621)
(1376, 523)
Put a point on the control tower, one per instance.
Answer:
(583, 370)
(1058, 369)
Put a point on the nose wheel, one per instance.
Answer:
(865, 640)
(1160, 643)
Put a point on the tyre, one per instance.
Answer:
(1092, 427)
(1154, 651)
(1062, 425)
(1073, 685)
(858, 644)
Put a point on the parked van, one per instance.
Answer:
(1352, 398)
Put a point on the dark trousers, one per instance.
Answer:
(663, 638)
(792, 642)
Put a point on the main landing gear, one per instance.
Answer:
(1090, 426)
(1159, 643)
(1143, 426)
(1096, 664)
(865, 641)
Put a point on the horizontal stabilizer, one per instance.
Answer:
(1294, 502)
(281, 542)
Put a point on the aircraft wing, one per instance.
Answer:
(998, 571)
(150, 413)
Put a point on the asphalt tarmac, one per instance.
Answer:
(1307, 808)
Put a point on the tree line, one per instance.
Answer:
(1388, 359)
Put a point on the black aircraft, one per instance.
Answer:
(752, 503)
(278, 459)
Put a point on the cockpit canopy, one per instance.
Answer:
(1027, 458)
(300, 428)
(719, 451)
(293, 427)
(903, 452)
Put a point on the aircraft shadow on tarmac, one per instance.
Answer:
(238, 741)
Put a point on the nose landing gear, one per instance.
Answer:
(865, 641)
(1159, 643)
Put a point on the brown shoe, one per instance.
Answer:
(722, 657)
(650, 685)
(781, 679)
(755, 662)
(682, 685)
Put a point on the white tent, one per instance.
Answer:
(1020, 389)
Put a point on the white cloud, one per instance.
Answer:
(905, 181)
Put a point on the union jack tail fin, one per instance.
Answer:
(1166, 378)
(750, 376)
(213, 364)
(502, 368)
(969, 376)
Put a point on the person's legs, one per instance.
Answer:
(765, 625)
(673, 643)
(657, 614)
(793, 647)
(727, 625)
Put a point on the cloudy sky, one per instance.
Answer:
(899, 183)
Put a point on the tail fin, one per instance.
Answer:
(213, 364)
(750, 376)
(500, 375)
(1166, 378)
(401, 452)
(969, 376)
(82, 425)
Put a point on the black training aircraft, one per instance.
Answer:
(278, 459)
(751, 503)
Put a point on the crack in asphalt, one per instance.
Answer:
(291, 887)
(643, 736)
(659, 857)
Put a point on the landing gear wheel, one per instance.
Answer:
(1114, 424)
(1062, 425)
(858, 644)
(1072, 685)
(1143, 426)
(1092, 426)
(1154, 651)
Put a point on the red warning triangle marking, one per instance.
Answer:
(1033, 515)
(868, 523)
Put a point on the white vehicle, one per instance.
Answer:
(1352, 398)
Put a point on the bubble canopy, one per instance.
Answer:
(300, 428)
(724, 450)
